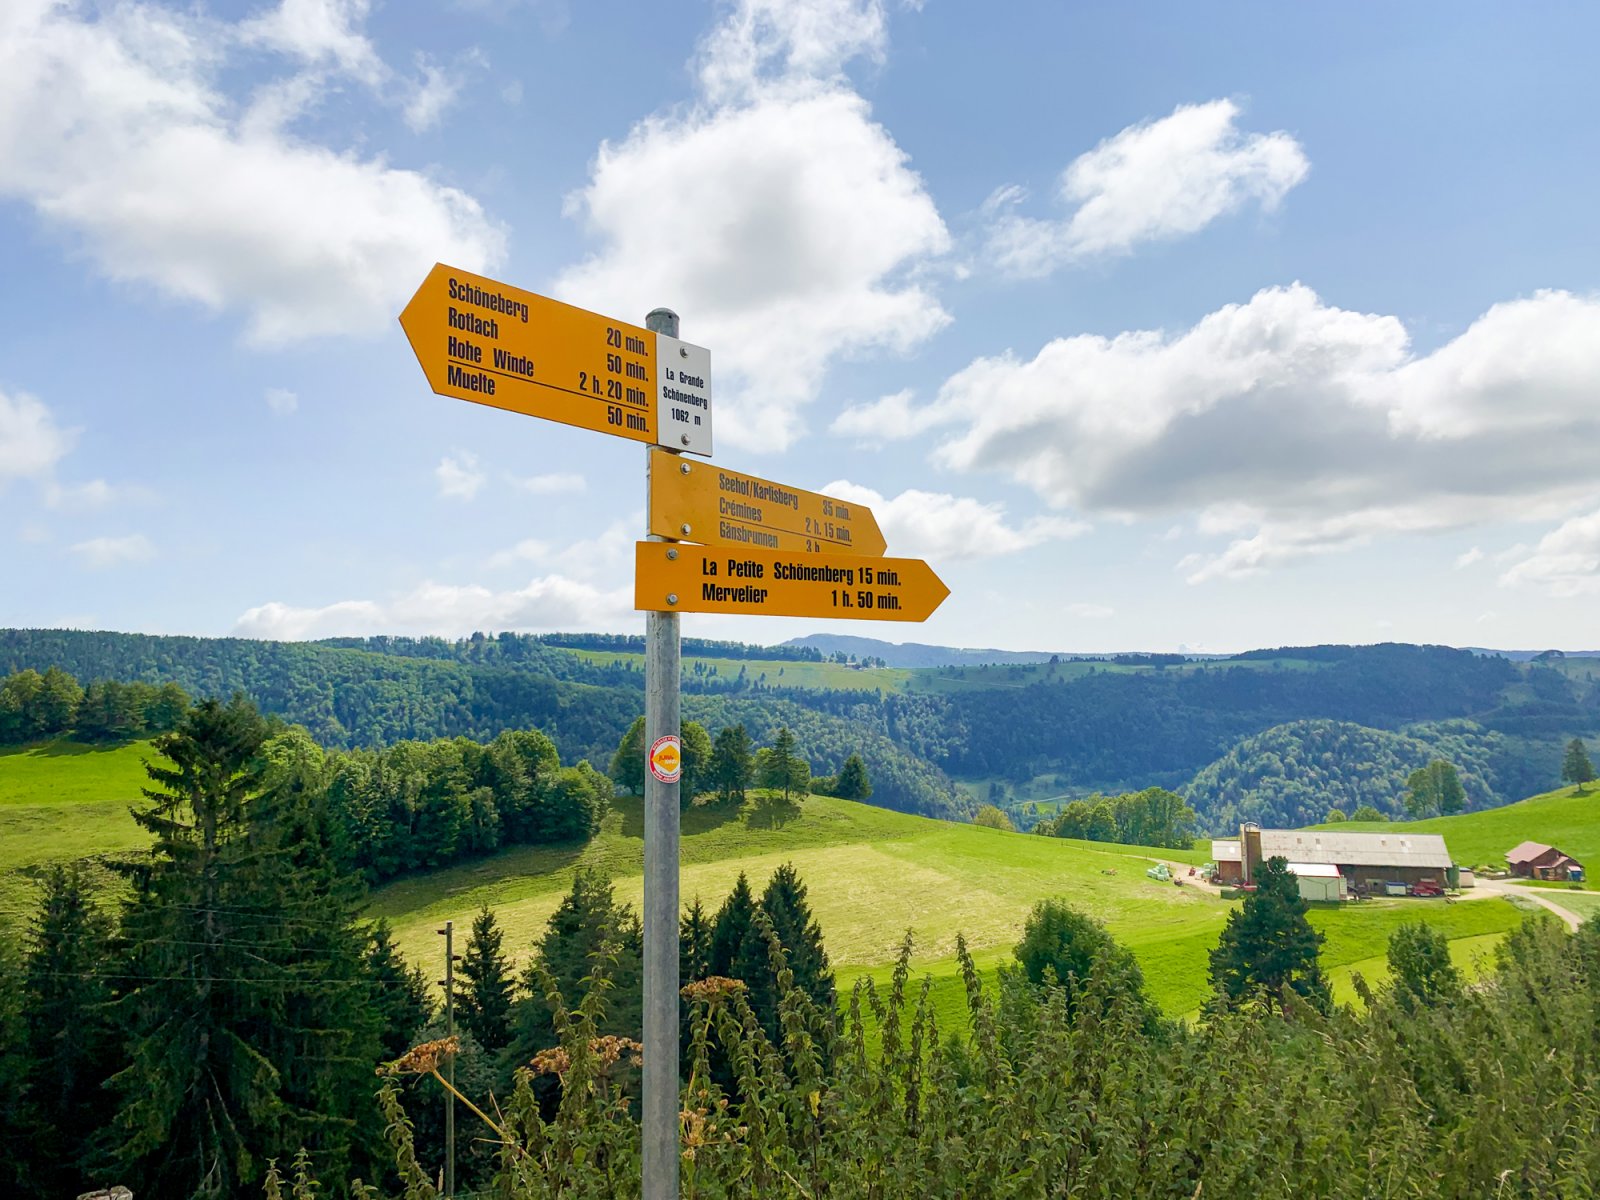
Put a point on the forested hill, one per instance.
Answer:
(1119, 724)
(378, 691)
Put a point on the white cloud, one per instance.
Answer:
(791, 224)
(548, 603)
(1090, 612)
(527, 550)
(102, 552)
(319, 33)
(458, 475)
(1467, 557)
(919, 524)
(766, 41)
(551, 485)
(31, 443)
(117, 132)
(1566, 562)
(1153, 181)
(887, 419)
(282, 401)
(1293, 427)
(437, 91)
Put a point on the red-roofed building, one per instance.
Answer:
(1535, 860)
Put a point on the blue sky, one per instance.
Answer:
(1201, 327)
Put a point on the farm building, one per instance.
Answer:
(1365, 862)
(1535, 860)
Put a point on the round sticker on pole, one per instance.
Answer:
(666, 758)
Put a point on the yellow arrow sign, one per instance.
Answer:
(485, 341)
(702, 503)
(677, 577)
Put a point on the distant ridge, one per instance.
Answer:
(919, 654)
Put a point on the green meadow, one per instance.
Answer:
(872, 874)
(63, 802)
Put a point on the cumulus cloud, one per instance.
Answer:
(887, 419)
(448, 610)
(919, 524)
(282, 402)
(458, 475)
(1467, 557)
(793, 220)
(1153, 181)
(1293, 427)
(102, 552)
(31, 443)
(117, 132)
(1566, 562)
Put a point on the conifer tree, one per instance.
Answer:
(247, 1021)
(731, 928)
(801, 935)
(732, 764)
(69, 1040)
(16, 1156)
(694, 943)
(587, 919)
(853, 783)
(400, 994)
(484, 987)
(1268, 948)
(1575, 765)
(781, 769)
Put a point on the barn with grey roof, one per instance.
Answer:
(1366, 861)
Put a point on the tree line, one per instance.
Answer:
(37, 706)
(1152, 817)
(728, 765)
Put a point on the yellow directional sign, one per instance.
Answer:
(703, 503)
(485, 341)
(678, 577)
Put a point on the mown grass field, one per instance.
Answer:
(63, 802)
(1561, 818)
(872, 875)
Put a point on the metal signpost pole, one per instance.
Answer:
(449, 984)
(659, 1118)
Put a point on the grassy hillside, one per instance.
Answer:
(1561, 818)
(874, 874)
(60, 802)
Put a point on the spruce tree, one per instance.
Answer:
(801, 935)
(16, 1153)
(731, 928)
(69, 1040)
(587, 920)
(1575, 765)
(694, 943)
(247, 1021)
(697, 752)
(400, 995)
(1268, 948)
(853, 783)
(781, 769)
(484, 985)
(732, 763)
